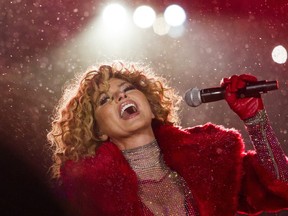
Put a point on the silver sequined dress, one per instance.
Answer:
(165, 193)
(161, 190)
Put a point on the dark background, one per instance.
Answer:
(45, 43)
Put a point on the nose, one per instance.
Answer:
(120, 96)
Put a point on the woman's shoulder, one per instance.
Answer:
(214, 134)
(211, 128)
(208, 130)
(105, 161)
(100, 181)
(201, 136)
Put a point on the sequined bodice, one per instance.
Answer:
(161, 190)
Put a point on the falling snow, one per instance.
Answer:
(45, 43)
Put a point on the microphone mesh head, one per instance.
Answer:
(192, 97)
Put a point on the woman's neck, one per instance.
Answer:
(144, 157)
(134, 141)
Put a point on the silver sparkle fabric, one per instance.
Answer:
(161, 190)
(269, 151)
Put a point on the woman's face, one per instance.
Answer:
(122, 111)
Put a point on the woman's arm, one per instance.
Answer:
(265, 171)
(251, 110)
(269, 152)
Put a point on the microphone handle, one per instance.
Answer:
(212, 94)
(252, 89)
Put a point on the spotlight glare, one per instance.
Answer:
(176, 32)
(160, 27)
(115, 16)
(144, 16)
(279, 54)
(174, 15)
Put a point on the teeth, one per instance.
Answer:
(125, 107)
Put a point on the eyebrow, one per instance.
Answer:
(119, 86)
(122, 83)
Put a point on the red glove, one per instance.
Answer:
(244, 107)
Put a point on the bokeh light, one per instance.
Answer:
(144, 16)
(279, 54)
(174, 15)
(160, 27)
(44, 44)
(115, 18)
(176, 32)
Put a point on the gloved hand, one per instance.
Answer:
(244, 107)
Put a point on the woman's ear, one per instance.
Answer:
(103, 137)
(99, 134)
(153, 116)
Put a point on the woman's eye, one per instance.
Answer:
(128, 88)
(103, 100)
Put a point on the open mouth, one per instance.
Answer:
(128, 110)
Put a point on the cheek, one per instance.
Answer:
(104, 118)
(100, 119)
(147, 105)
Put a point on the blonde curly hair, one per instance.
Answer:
(74, 133)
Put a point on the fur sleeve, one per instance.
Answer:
(101, 185)
(259, 191)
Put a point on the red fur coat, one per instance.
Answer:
(221, 176)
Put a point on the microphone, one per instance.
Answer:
(194, 96)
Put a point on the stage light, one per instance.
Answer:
(174, 15)
(160, 27)
(176, 32)
(144, 16)
(279, 54)
(115, 17)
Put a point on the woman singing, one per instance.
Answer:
(118, 150)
